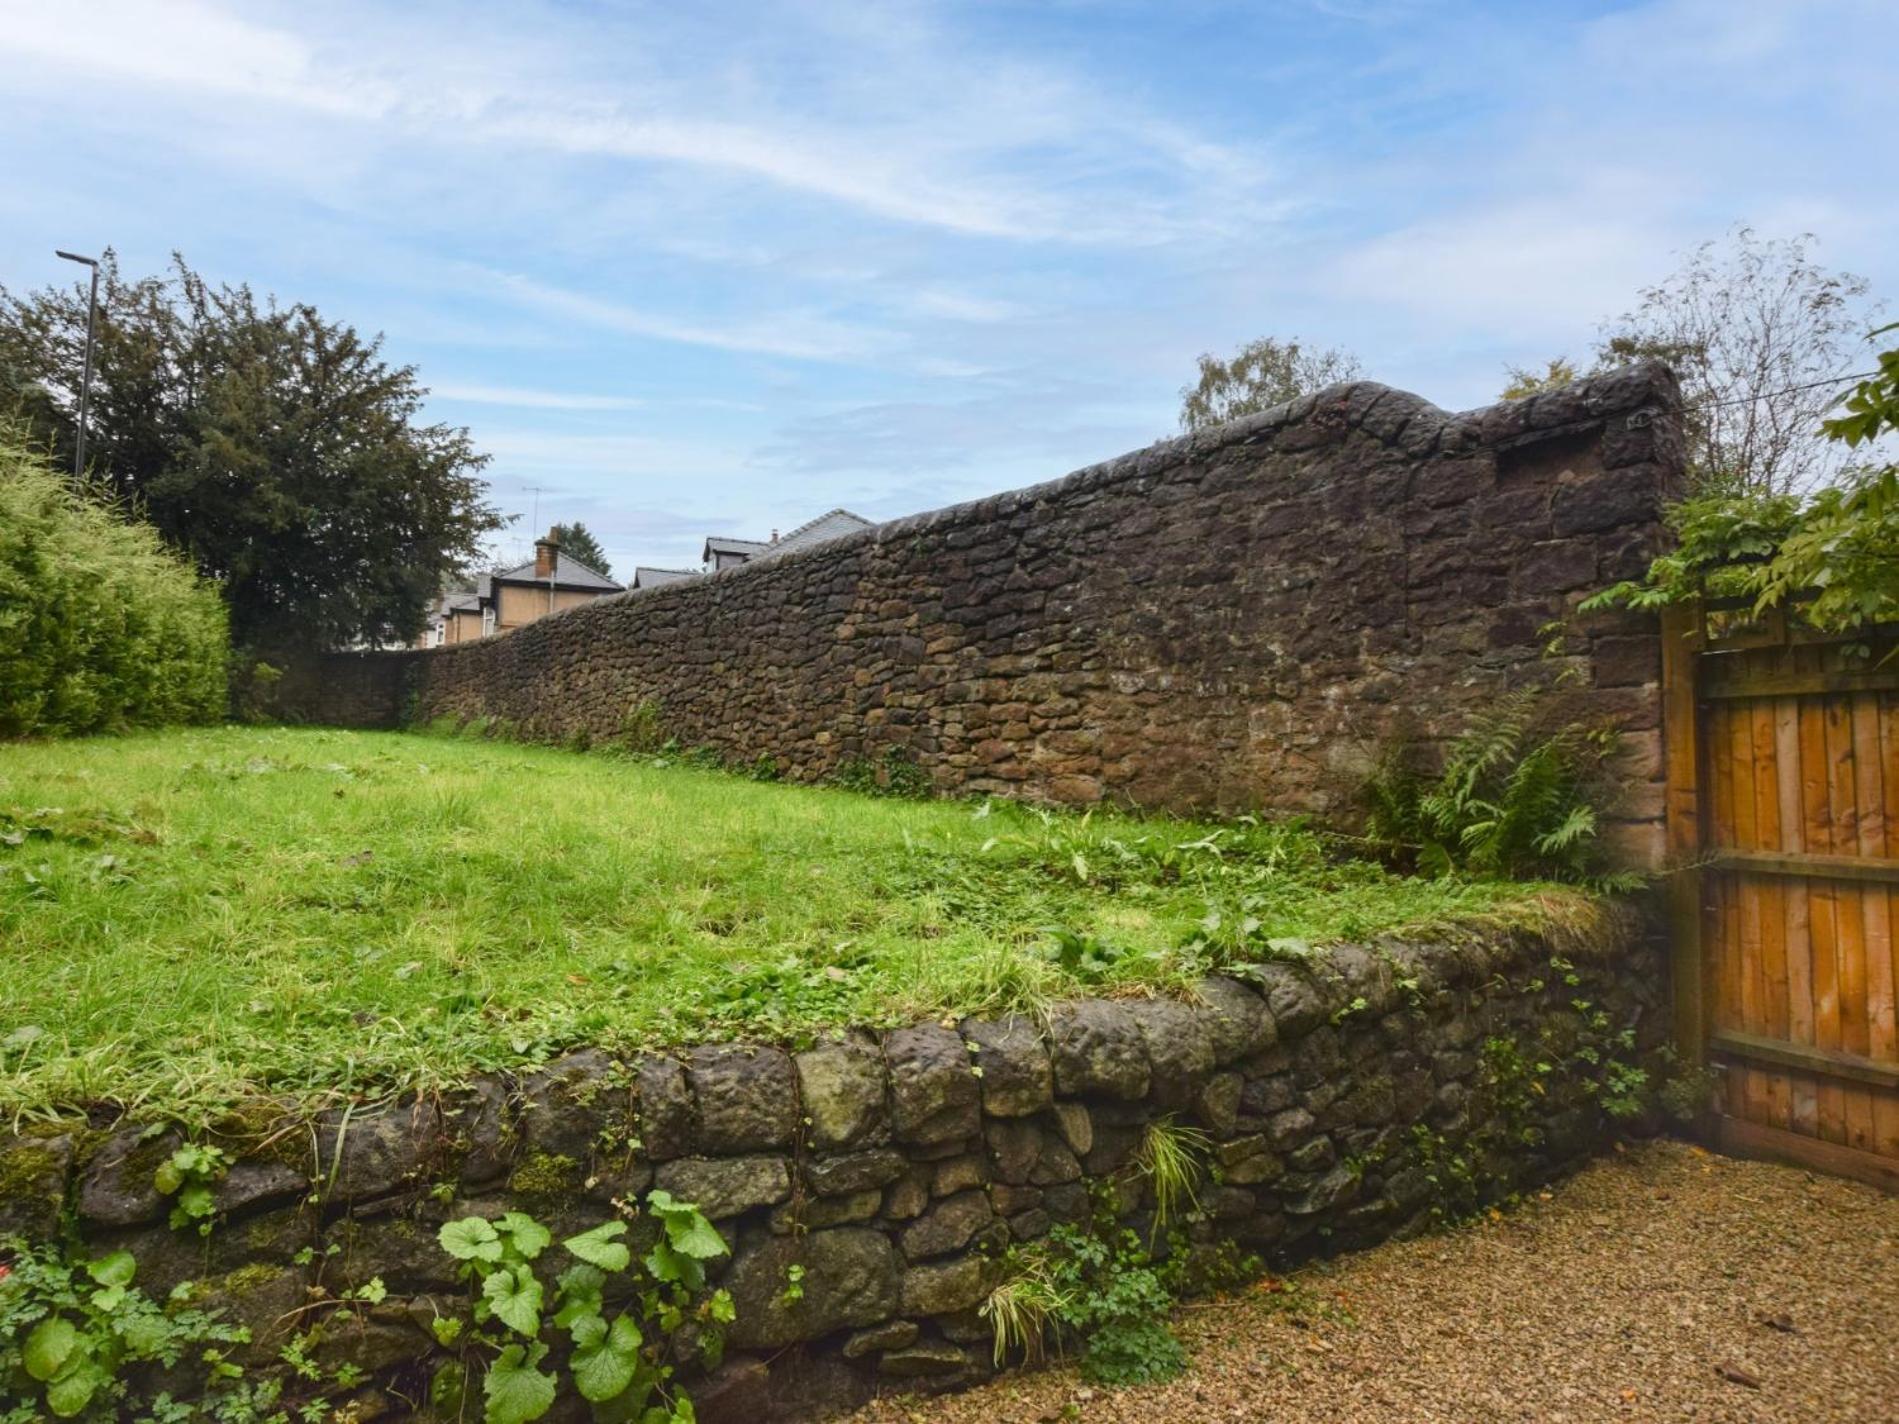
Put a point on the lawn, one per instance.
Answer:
(188, 918)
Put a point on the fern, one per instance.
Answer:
(1514, 797)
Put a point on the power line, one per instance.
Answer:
(1784, 391)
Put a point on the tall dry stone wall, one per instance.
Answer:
(1361, 1095)
(1231, 620)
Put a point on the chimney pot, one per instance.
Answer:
(546, 551)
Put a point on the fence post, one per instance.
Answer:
(1682, 637)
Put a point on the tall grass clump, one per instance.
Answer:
(101, 627)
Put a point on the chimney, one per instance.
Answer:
(545, 552)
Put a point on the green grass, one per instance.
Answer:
(190, 917)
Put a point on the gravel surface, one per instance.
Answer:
(1660, 1283)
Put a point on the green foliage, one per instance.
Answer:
(895, 774)
(1833, 553)
(69, 1329)
(1023, 1308)
(101, 628)
(576, 541)
(1085, 958)
(1559, 372)
(641, 730)
(190, 1177)
(622, 1360)
(275, 450)
(1259, 376)
(1515, 797)
(1104, 1287)
(1173, 1159)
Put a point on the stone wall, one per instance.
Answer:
(1231, 620)
(895, 1169)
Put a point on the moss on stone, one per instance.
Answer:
(246, 1279)
(24, 1170)
(546, 1174)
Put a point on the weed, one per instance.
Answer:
(621, 1358)
(1173, 1159)
(641, 730)
(1021, 1310)
(896, 774)
(68, 1328)
(189, 1177)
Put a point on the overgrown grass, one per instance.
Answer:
(189, 917)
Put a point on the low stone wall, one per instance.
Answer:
(895, 1169)
(1232, 620)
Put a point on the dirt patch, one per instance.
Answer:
(1661, 1283)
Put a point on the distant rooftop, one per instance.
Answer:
(644, 577)
(569, 572)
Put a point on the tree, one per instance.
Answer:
(1835, 550)
(279, 452)
(577, 542)
(1760, 336)
(1525, 382)
(1260, 375)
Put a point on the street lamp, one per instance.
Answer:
(85, 384)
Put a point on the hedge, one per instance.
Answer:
(101, 627)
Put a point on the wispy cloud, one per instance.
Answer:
(796, 335)
(529, 399)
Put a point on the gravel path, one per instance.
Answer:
(1661, 1283)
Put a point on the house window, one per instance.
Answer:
(487, 621)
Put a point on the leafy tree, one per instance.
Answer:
(1840, 544)
(276, 450)
(1758, 333)
(1259, 376)
(577, 542)
(1524, 382)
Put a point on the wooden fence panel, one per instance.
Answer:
(1784, 812)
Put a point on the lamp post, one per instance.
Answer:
(85, 382)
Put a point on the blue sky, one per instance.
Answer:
(715, 267)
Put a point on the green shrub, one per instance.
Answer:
(101, 627)
(1516, 797)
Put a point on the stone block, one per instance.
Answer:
(934, 1095)
(1098, 1047)
(842, 1088)
(725, 1186)
(1016, 1076)
(746, 1099)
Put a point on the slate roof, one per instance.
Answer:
(569, 572)
(644, 577)
(721, 544)
(832, 524)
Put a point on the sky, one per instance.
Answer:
(718, 267)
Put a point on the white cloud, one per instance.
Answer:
(1529, 270)
(529, 399)
(184, 44)
(796, 335)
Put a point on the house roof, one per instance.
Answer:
(644, 577)
(569, 572)
(722, 544)
(832, 524)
